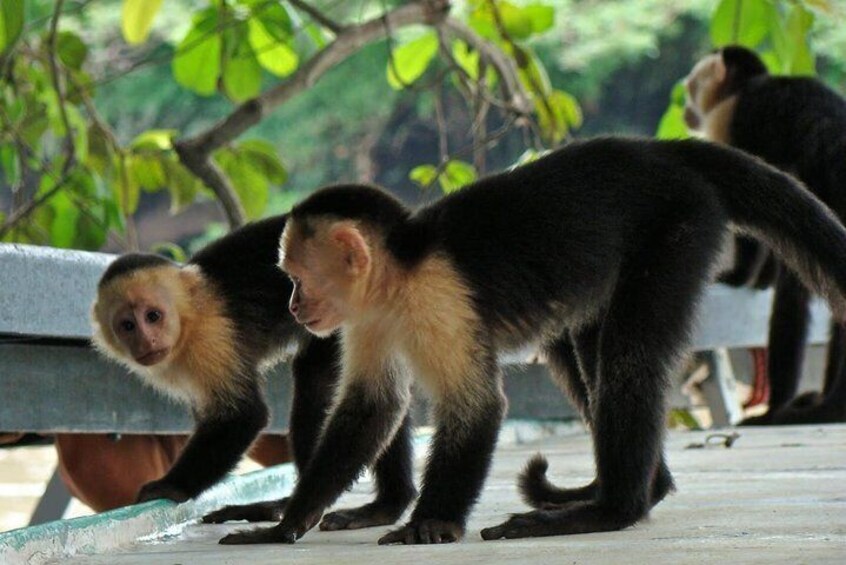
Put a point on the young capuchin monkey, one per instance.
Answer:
(603, 246)
(203, 333)
(798, 125)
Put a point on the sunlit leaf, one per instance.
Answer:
(742, 22)
(424, 175)
(455, 175)
(154, 139)
(274, 54)
(63, 228)
(137, 18)
(672, 124)
(263, 157)
(72, 51)
(11, 22)
(242, 72)
(467, 58)
(181, 184)
(250, 184)
(126, 191)
(9, 165)
(410, 60)
(799, 22)
(169, 249)
(146, 170)
(541, 16)
(557, 112)
(196, 64)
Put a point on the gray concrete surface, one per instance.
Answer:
(777, 496)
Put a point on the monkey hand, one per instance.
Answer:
(268, 511)
(161, 489)
(283, 532)
(424, 532)
(373, 514)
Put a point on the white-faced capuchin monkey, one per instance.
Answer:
(798, 125)
(203, 333)
(605, 244)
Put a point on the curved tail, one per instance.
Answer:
(538, 492)
(777, 209)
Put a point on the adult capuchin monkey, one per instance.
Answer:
(203, 333)
(798, 125)
(605, 244)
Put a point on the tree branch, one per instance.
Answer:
(195, 152)
(317, 16)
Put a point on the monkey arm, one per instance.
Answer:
(459, 461)
(220, 439)
(362, 424)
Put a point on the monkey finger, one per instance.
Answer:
(276, 534)
(268, 511)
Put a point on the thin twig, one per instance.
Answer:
(317, 16)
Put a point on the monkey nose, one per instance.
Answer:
(294, 308)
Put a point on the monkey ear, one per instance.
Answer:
(354, 246)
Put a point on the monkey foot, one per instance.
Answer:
(160, 489)
(267, 511)
(275, 534)
(809, 409)
(424, 532)
(373, 514)
(575, 518)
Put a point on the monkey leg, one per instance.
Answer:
(462, 449)
(642, 334)
(366, 418)
(749, 257)
(828, 406)
(787, 341)
(394, 488)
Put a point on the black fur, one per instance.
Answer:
(129, 263)
(243, 267)
(601, 250)
(798, 125)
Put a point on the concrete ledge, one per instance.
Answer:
(109, 530)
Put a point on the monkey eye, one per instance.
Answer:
(153, 316)
(127, 325)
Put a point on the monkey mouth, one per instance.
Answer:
(153, 357)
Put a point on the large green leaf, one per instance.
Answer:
(11, 22)
(137, 18)
(146, 170)
(273, 53)
(66, 214)
(672, 124)
(182, 185)
(72, 51)
(743, 22)
(263, 157)
(424, 175)
(241, 71)
(154, 140)
(196, 65)
(799, 22)
(557, 112)
(124, 188)
(410, 60)
(455, 175)
(250, 184)
(9, 165)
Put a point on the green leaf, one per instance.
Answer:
(170, 250)
(196, 64)
(274, 54)
(154, 140)
(146, 170)
(250, 184)
(275, 19)
(11, 22)
(541, 16)
(137, 18)
(424, 175)
(263, 157)
(799, 22)
(672, 124)
(242, 72)
(126, 191)
(9, 165)
(66, 214)
(557, 113)
(741, 22)
(410, 60)
(466, 57)
(456, 174)
(182, 185)
(72, 51)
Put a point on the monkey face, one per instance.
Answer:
(702, 88)
(139, 320)
(328, 269)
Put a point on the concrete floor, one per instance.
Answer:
(778, 495)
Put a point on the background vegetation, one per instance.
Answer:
(110, 110)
